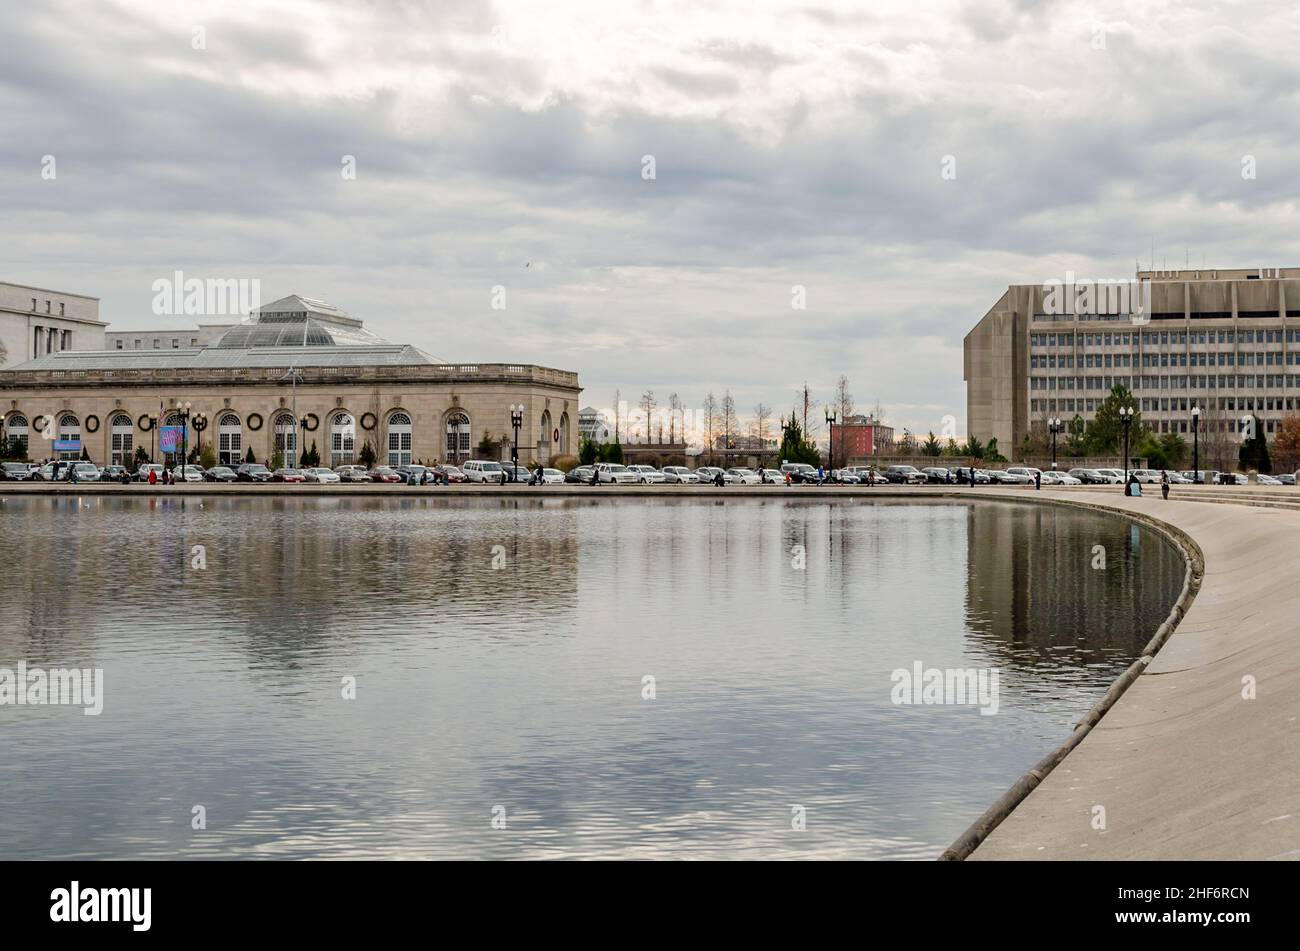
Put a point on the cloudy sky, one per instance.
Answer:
(505, 143)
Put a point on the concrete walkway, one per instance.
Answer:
(1184, 767)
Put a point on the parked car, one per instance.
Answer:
(321, 475)
(745, 476)
(253, 472)
(449, 473)
(113, 473)
(288, 475)
(772, 476)
(799, 471)
(353, 474)
(220, 474)
(709, 475)
(552, 477)
(1176, 478)
(1031, 472)
(680, 475)
(648, 475)
(1202, 477)
(1287, 478)
(843, 477)
(937, 475)
(1263, 479)
(905, 475)
(963, 475)
(616, 473)
(384, 474)
(870, 475)
(1088, 476)
(1146, 476)
(1231, 478)
(484, 470)
(1112, 476)
(1006, 477)
(521, 473)
(580, 474)
(410, 474)
(15, 472)
(187, 473)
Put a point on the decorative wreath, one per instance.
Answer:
(39, 422)
(311, 422)
(144, 422)
(199, 423)
(254, 421)
(92, 423)
(374, 420)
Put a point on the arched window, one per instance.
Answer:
(121, 440)
(16, 430)
(173, 418)
(457, 437)
(343, 439)
(399, 440)
(286, 439)
(229, 439)
(544, 438)
(68, 432)
(563, 447)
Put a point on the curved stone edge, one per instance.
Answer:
(981, 828)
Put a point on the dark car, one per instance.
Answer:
(253, 472)
(449, 473)
(384, 474)
(220, 474)
(800, 471)
(15, 472)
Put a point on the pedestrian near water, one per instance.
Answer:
(821, 475)
(153, 476)
(718, 480)
(1164, 484)
(595, 475)
(1038, 480)
(1132, 488)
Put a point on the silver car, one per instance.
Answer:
(680, 475)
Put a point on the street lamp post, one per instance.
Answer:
(1126, 419)
(1054, 425)
(153, 435)
(1196, 445)
(516, 420)
(200, 424)
(830, 442)
(183, 410)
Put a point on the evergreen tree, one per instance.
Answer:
(794, 446)
(1253, 453)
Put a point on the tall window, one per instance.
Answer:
(399, 440)
(286, 438)
(16, 430)
(544, 437)
(121, 440)
(228, 439)
(343, 439)
(457, 437)
(69, 429)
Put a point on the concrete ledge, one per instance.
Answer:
(1183, 766)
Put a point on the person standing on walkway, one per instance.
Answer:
(1038, 481)
(595, 475)
(1164, 485)
(153, 476)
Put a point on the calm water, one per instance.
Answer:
(520, 686)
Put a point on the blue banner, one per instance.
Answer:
(169, 438)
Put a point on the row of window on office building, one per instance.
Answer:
(1175, 338)
(1227, 381)
(1222, 358)
(1227, 404)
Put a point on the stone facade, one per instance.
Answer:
(35, 321)
(376, 399)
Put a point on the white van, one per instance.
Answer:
(482, 470)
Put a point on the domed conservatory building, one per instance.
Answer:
(293, 360)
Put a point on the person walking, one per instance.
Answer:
(1164, 485)
(1038, 481)
(153, 476)
(821, 475)
(1132, 488)
(595, 475)
(718, 480)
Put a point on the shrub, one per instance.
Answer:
(564, 463)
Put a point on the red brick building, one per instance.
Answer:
(859, 436)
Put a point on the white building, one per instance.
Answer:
(593, 425)
(35, 321)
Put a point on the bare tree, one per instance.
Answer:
(710, 408)
(647, 405)
(843, 401)
(729, 421)
(762, 423)
(674, 411)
